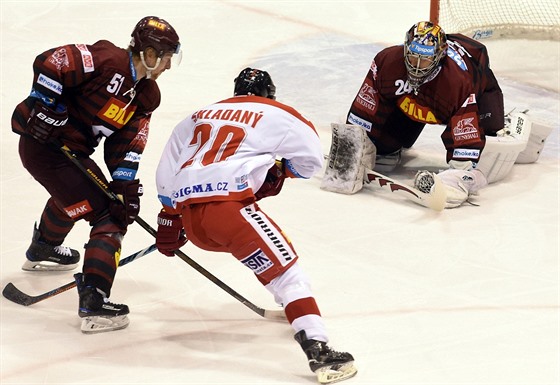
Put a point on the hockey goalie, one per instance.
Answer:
(435, 79)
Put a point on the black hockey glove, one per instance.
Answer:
(45, 123)
(130, 191)
(273, 181)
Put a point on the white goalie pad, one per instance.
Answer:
(539, 133)
(501, 151)
(350, 155)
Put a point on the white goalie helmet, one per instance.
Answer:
(425, 46)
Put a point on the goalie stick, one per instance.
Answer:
(434, 200)
(268, 314)
(12, 293)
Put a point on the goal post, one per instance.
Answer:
(524, 19)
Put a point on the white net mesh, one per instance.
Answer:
(527, 19)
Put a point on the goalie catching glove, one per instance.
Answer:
(459, 184)
(170, 235)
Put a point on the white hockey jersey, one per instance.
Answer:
(223, 151)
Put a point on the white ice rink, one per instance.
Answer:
(463, 297)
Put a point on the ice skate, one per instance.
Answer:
(99, 315)
(330, 366)
(44, 257)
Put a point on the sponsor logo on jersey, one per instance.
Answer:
(201, 188)
(242, 182)
(373, 69)
(464, 129)
(416, 112)
(471, 99)
(258, 262)
(132, 157)
(87, 58)
(59, 59)
(142, 135)
(114, 113)
(49, 83)
(455, 52)
(366, 97)
(78, 210)
(353, 119)
(124, 174)
(468, 153)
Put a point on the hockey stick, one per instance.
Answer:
(434, 200)
(269, 314)
(12, 293)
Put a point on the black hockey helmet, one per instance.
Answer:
(157, 33)
(252, 81)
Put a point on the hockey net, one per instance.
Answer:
(534, 19)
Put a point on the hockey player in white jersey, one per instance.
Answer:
(217, 164)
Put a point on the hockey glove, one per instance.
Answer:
(45, 123)
(460, 184)
(170, 235)
(273, 181)
(130, 192)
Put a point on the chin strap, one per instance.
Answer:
(148, 68)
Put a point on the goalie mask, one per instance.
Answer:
(157, 33)
(254, 82)
(425, 46)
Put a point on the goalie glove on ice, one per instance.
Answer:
(170, 235)
(45, 123)
(460, 184)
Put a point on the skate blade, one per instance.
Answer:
(336, 373)
(100, 324)
(46, 266)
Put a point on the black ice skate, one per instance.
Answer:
(99, 315)
(329, 365)
(44, 257)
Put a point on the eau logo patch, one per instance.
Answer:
(258, 262)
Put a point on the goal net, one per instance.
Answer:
(525, 19)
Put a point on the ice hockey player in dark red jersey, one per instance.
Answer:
(446, 80)
(433, 79)
(80, 95)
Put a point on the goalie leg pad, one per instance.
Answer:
(501, 152)
(539, 133)
(350, 155)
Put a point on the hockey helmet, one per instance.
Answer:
(252, 81)
(425, 46)
(157, 33)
